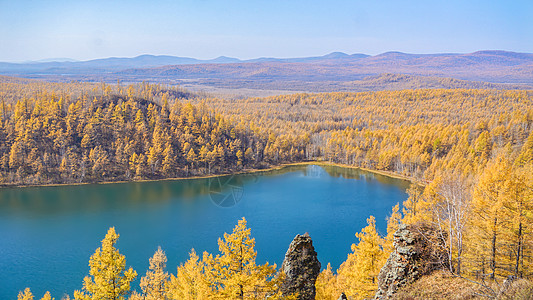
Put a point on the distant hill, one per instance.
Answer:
(486, 66)
(320, 73)
(101, 66)
(334, 56)
(402, 82)
(389, 82)
(59, 59)
(55, 66)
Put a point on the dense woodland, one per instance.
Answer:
(469, 152)
(138, 133)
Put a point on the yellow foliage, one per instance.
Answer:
(326, 285)
(237, 275)
(108, 278)
(393, 223)
(26, 295)
(193, 279)
(357, 276)
(153, 285)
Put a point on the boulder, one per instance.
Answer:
(418, 250)
(301, 268)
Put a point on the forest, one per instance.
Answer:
(140, 132)
(469, 154)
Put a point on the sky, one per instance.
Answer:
(205, 29)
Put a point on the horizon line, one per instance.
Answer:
(72, 60)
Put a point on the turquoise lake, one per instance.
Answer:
(47, 234)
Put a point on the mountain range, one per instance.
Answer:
(150, 61)
(491, 66)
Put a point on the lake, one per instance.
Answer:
(47, 234)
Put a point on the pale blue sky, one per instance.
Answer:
(32, 30)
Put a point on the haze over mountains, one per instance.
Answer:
(149, 61)
(334, 71)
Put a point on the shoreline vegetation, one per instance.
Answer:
(240, 172)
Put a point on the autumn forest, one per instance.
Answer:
(468, 153)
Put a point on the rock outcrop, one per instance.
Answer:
(418, 250)
(301, 268)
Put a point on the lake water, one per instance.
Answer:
(47, 234)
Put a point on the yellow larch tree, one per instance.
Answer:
(357, 276)
(109, 279)
(487, 220)
(326, 285)
(393, 223)
(526, 154)
(47, 296)
(518, 209)
(237, 274)
(27, 295)
(153, 285)
(415, 207)
(193, 279)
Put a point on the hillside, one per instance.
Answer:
(387, 81)
(491, 66)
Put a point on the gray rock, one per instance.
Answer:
(301, 268)
(418, 250)
(343, 297)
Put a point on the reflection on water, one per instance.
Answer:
(47, 234)
(57, 200)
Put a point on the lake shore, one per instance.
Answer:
(380, 172)
(244, 171)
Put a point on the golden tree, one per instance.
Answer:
(193, 279)
(488, 220)
(47, 296)
(109, 279)
(237, 274)
(326, 285)
(518, 209)
(27, 295)
(414, 208)
(153, 285)
(393, 223)
(357, 276)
